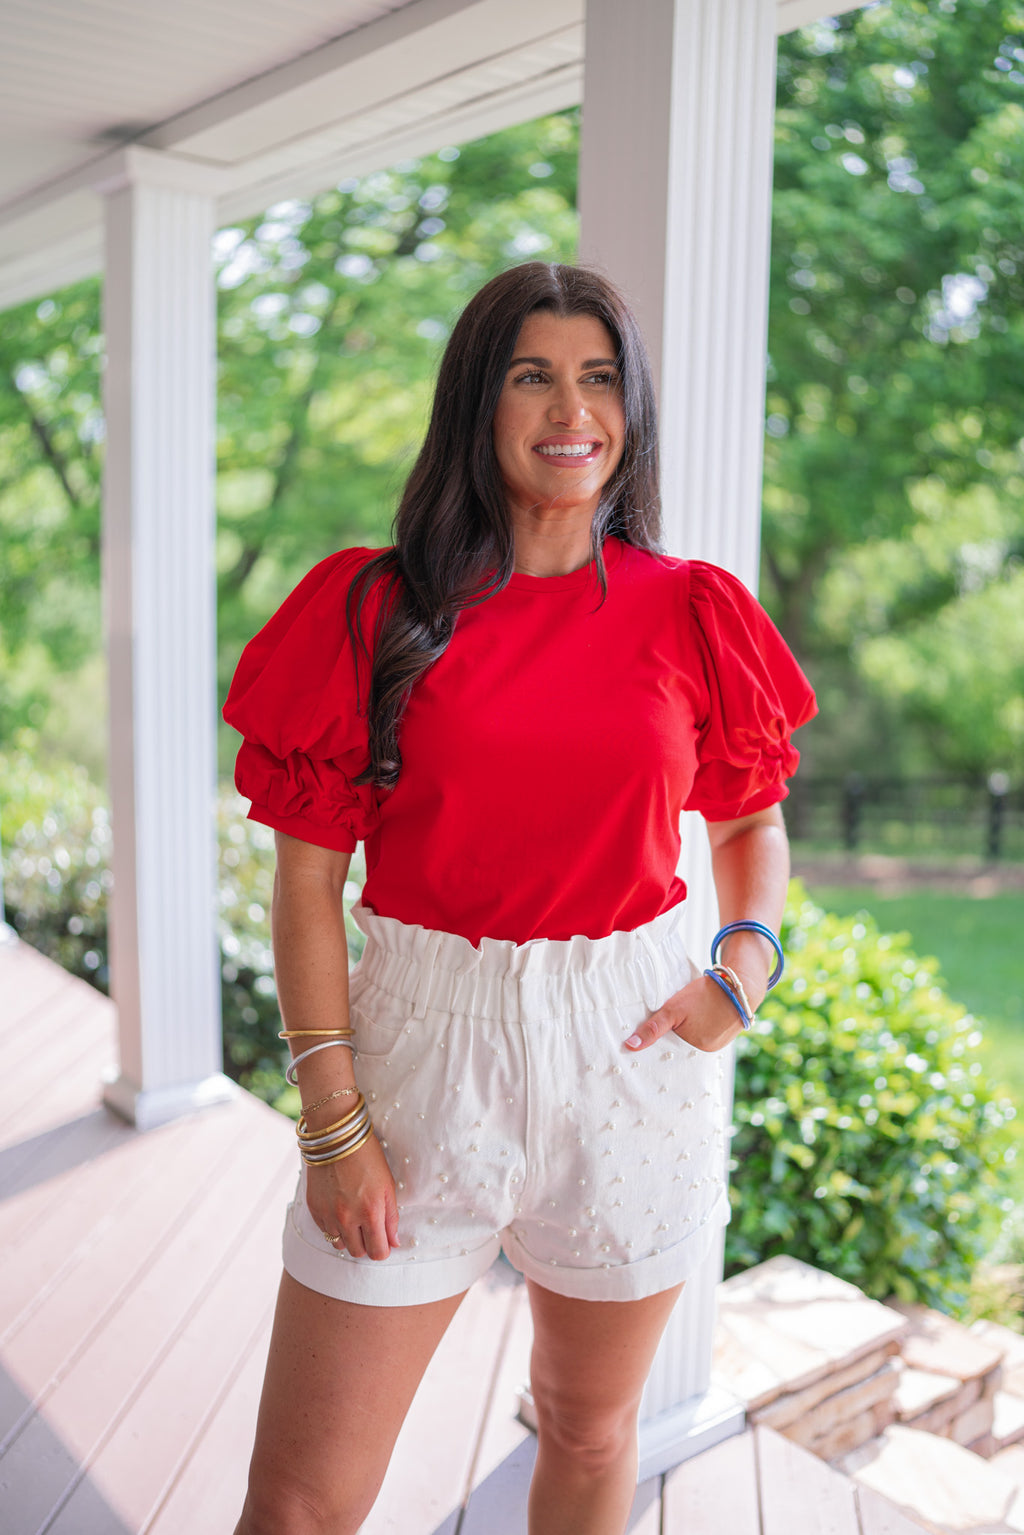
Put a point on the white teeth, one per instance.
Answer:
(568, 450)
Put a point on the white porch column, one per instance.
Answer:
(675, 202)
(160, 615)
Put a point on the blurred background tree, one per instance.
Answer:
(894, 483)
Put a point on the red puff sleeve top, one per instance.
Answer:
(546, 755)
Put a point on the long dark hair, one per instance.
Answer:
(453, 542)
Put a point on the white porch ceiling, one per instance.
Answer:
(277, 99)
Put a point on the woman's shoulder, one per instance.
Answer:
(304, 651)
(332, 576)
(696, 582)
(319, 605)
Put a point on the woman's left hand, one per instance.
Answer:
(701, 1014)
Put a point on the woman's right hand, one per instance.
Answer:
(355, 1199)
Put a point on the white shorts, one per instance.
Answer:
(514, 1118)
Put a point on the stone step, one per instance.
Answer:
(940, 1345)
(847, 1418)
(1011, 1463)
(921, 1393)
(785, 1327)
(1011, 1346)
(946, 1488)
(1008, 1422)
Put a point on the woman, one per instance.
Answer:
(511, 708)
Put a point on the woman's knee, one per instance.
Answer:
(277, 1505)
(593, 1437)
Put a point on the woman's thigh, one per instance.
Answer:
(591, 1358)
(340, 1379)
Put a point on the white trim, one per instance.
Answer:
(41, 268)
(429, 39)
(160, 620)
(680, 1432)
(800, 13)
(133, 165)
(148, 1108)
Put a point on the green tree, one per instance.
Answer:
(896, 350)
(51, 431)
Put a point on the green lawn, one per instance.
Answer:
(980, 947)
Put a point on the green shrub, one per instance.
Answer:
(253, 1054)
(55, 837)
(866, 1140)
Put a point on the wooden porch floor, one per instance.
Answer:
(138, 1279)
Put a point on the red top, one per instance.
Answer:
(547, 754)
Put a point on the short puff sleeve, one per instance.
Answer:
(757, 696)
(296, 700)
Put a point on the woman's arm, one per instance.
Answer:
(750, 864)
(355, 1196)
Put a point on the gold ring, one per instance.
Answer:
(330, 1239)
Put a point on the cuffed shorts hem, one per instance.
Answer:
(622, 1281)
(369, 1282)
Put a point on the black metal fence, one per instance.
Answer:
(920, 817)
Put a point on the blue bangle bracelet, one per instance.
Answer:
(748, 925)
(733, 998)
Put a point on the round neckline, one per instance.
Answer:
(519, 581)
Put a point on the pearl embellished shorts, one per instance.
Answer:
(514, 1119)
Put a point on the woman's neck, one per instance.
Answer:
(551, 549)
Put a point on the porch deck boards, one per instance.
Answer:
(138, 1282)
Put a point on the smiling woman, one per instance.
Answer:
(560, 691)
(559, 432)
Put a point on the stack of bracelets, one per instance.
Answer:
(728, 981)
(348, 1133)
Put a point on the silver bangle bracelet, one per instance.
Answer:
(328, 1044)
(335, 1151)
(336, 1137)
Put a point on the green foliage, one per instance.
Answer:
(55, 836)
(867, 1141)
(896, 345)
(974, 714)
(51, 429)
(253, 1054)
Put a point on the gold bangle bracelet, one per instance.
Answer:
(304, 1132)
(315, 1152)
(342, 1154)
(313, 1033)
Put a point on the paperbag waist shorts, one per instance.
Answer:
(514, 1119)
